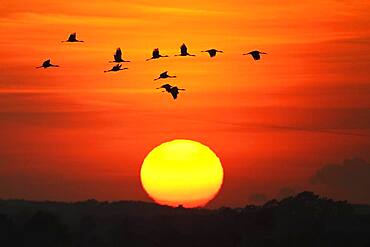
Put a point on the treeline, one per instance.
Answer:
(303, 220)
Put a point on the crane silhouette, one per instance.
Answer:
(167, 87)
(115, 68)
(164, 75)
(46, 64)
(212, 52)
(173, 90)
(118, 57)
(255, 54)
(156, 54)
(184, 51)
(73, 38)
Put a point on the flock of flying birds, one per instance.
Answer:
(173, 90)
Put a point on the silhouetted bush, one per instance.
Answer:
(302, 220)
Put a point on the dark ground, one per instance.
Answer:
(303, 220)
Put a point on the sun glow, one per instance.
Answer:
(182, 172)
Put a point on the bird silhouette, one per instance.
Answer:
(115, 68)
(212, 52)
(184, 51)
(255, 54)
(173, 90)
(156, 55)
(118, 57)
(72, 38)
(164, 75)
(167, 87)
(46, 64)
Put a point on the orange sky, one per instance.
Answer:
(74, 132)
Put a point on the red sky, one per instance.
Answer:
(74, 132)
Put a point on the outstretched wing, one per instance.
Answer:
(212, 52)
(116, 67)
(256, 55)
(155, 52)
(118, 55)
(174, 92)
(184, 49)
(72, 37)
(167, 87)
(46, 63)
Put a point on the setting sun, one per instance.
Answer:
(182, 172)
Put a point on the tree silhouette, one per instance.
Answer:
(305, 219)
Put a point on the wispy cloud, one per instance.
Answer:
(30, 18)
(184, 11)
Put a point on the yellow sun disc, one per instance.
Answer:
(182, 172)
